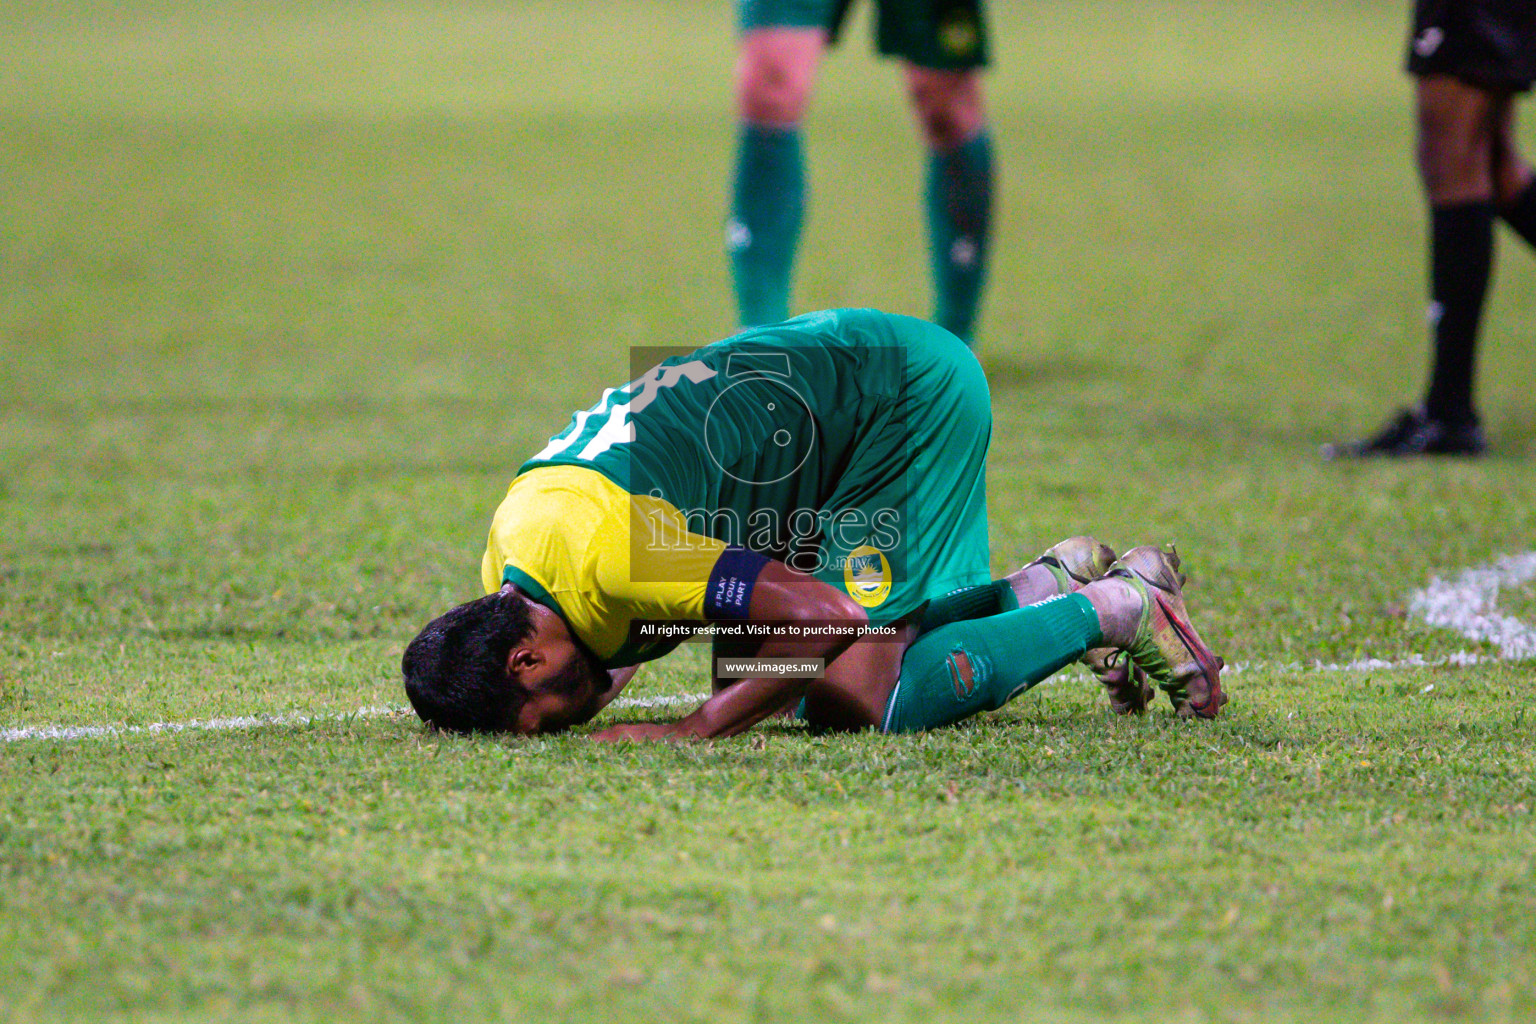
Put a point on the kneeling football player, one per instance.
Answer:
(817, 489)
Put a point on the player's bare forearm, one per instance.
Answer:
(739, 707)
(780, 596)
(786, 597)
(734, 709)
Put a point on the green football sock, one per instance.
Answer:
(959, 199)
(767, 209)
(968, 603)
(981, 664)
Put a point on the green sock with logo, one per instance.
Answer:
(979, 665)
(767, 208)
(959, 203)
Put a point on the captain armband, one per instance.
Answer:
(729, 593)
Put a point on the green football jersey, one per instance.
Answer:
(849, 444)
(743, 435)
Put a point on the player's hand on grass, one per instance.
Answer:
(634, 732)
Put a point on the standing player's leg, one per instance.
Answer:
(943, 47)
(1456, 143)
(1456, 131)
(1514, 181)
(957, 192)
(1469, 60)
(775, 69)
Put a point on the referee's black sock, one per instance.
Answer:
(1520, 213)
(1461, 260)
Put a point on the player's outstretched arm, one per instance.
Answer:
(780, 596)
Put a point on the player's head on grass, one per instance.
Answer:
(501, 663)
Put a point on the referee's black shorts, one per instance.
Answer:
(1488, 43)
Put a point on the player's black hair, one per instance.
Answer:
(456, 668)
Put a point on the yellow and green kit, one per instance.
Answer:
(850, 444)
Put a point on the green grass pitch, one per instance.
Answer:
(288, 289)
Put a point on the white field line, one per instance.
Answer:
(1466, 605)
(87, 732)
(1457, 658)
